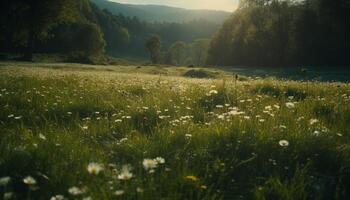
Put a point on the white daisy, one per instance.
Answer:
(283, 143)
(149, 164)
(29, 180)
(94, 168)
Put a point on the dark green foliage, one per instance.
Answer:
(48, 26)
(145, 121)
(210, 101)
(176, 53)
(200, 51)
(325, 111)
(268, 89)
(138, 91)
(153, 45)
(59, 26)
(88, 42)
(279, 33)
(198, 74)
(296, 93)
(295, 188)
(280, 91)
(168, 32)
(24, 23)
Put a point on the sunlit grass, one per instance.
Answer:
(122, 132)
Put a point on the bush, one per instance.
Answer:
(198, 74)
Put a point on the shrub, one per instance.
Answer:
(198, 74)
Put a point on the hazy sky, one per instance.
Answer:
(228, 5)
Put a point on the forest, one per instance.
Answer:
(85, 33)
(284, 33)
(259, 33)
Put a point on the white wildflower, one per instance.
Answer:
(29, 180)
(94, 168)
(18, 117)
(316, 133)
(211, 92)
(75, 191)
(41, 136)
(125, 173)
(160, 160)
(57, 197)
(139, 190)
(276, 106)
(4, 181)
(290, 105)
(8, 195)
(283, 143)
(283, 127)
(149, 164)
(119, 192)
(313, 121)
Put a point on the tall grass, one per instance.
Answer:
(250, 139)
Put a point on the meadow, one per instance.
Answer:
(73, 131)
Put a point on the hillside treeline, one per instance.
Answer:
(284, 32)
(83, 31)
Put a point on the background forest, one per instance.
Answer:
(258, 33)
(85, 32)
(275, 33)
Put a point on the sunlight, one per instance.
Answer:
(226, 5)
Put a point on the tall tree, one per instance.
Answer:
(177, 52)
(31, 20)
(153, 46)
(200, 51)
(88, 41)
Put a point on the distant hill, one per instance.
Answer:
(157, 13)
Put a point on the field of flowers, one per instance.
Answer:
(117, 133)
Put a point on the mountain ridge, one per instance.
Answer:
(162, 13)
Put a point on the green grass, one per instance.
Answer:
(220, 138)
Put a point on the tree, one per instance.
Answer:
(153, 45)
(200, 51)
(177, 52)
(89, 40)
(33, 19)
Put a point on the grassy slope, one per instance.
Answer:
(56, 119)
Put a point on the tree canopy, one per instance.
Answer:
(279, 33)
(153, 45)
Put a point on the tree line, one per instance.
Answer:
(179, 53)
(284, 33)
(83, 31)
